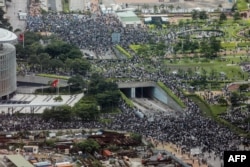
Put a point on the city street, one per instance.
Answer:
(12, 13)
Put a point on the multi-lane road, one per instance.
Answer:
(12, 13)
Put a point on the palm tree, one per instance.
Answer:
(177, 8)
(162, 6)
(155, 9)
(171, 7)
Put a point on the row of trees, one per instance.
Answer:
(51, 55)
(207, 46)
(102, 96)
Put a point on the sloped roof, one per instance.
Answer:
(19, 161)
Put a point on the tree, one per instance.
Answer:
(106, 92)
(87, 108)
(222, 100)
(243, 87)
(210, 47)
(60, 113)
(162, 7)
(80, 66)
(236, 16)
(171, 7)
(56, 64)
(89, 146)
(234, 99)
(177, 8)
(223, 16)
(195, 14)
(155, 9)
(203, 15)
(215, 45)
(213, 74)
(44, 58)
(76, 82)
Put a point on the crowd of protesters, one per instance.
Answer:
(93, 33)
(188, 129)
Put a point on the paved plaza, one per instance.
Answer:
(40, 100)
(12, 13)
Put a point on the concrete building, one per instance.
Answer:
(7, 64)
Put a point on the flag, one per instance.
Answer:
(55, 83)
(21, 37)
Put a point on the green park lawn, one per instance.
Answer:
(218, 109)
(241, 5)
(230, 67)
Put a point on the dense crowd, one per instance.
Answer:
(93, 33)
(189, 129)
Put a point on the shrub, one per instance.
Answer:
(127, 100)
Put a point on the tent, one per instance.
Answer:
(164, 19)
(147, 19)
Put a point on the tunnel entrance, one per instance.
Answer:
(140, 92)
(144, 92)
(126, 92)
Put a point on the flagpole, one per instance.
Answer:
(58, 88)
(23, 40)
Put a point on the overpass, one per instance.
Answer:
(148, 90)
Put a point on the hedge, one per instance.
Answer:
(228, 45)
(135, 47)
(53, 76)
(127, 100)
(123, 51)
(171, 94)
(244, 44)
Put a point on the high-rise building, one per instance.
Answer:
(8, 84)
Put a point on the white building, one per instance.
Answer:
(129, 19)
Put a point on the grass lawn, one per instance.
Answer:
(53, 76)
(241, 5)
(218, 109)
(123, 51)
(204, 107)
(230, 66)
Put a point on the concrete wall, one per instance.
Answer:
(162, 96)
(39, 79)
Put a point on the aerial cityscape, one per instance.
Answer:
(124, 83)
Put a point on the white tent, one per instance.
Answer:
(164, 19)
(148, 19)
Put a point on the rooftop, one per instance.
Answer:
(19, 161)
(7, 36)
